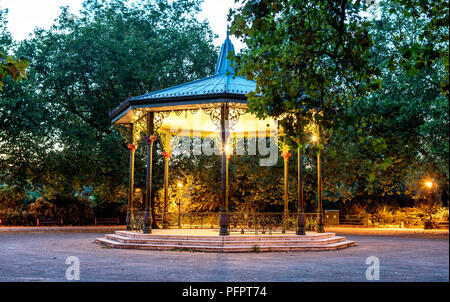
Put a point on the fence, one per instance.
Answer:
(241, 222)
(377, 220)
(270, 223)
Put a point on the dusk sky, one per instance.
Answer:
(25, 15)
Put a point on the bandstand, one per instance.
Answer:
(214, 107)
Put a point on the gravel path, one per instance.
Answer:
(42, 257)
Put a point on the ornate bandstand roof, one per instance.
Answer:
(222, 87)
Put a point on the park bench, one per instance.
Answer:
(351, 220)
(158, 220)
(442, 225)
(49, 221)
(103, 221)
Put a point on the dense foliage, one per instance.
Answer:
(306, 57)
(375, 83)
(380, 94)
(55, 133)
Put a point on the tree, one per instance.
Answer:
(397, 136)
(81, 69)
(389, 119)
(20, 118)
(429, 45)
(306, 57)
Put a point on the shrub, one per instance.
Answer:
(110, 209)
(41, 208)
(73, 210)
(10, 198)
(385, 215)
(18, 217)
(441, 214)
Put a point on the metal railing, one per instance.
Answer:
(269, 223)
(275, 222)
(239, 222)
(378, 220)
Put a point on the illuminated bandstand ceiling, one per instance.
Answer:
(194, 108)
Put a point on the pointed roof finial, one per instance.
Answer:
(224, 64)
(228, 30)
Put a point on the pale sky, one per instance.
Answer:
(25, 15)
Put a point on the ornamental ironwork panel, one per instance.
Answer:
(140, 126)
(233, 115)
(125, 132)
(159, 118)
(137, 221)
(240, 222)
(214, 114)
(178, 112)
(194, 110)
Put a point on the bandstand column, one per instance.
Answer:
(166, 154)
(301, 216)
(286, 156)
(132, 147)
(227, 191)
(320, 227)
(224, 221)
(149, 139)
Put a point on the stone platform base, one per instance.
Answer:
(225, 244)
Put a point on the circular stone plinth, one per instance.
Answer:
(211, 241)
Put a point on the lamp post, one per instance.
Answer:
(180, 185)
(227, 190)
(429, 187)
(320, 228)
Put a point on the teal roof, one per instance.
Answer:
(219, 83)
(223, 86)
(223, 81)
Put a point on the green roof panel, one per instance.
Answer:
(224, 81)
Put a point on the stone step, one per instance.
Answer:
(218, 241)
(228, 248)
(262, 237)
(167, 247)
(169, 241)
(282, 248)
